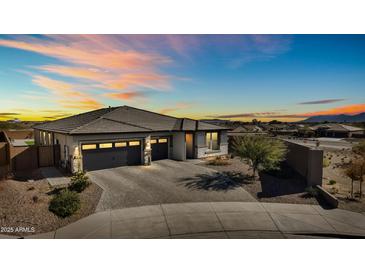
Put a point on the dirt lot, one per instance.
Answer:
(337, 160)
(24, 204)
(281, 187)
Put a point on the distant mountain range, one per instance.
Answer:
(341, 118)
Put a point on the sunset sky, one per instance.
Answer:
(237, 77)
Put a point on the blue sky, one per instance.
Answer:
(239, 77)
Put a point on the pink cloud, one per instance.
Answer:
(147, 80)
(93, 50)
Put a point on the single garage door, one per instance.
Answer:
(109, 155)
(160, 149)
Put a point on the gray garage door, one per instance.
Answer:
(109, 155)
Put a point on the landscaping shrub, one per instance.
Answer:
(65, 203)
(312, 191)
(332, 182)
(260, 152)
(326, 162)
(79, 181)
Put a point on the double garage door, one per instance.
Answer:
(111, 154)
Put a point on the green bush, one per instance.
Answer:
(326, 162)
(65, 203)
(260, 152)
(79, 181)
(332, 182)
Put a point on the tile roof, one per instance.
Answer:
(336, 127)
(122, 119)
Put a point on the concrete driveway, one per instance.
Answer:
(163, 182)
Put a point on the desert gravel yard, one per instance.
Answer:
(336, 161)
(165, 181)
(24, 204)
(282, 187)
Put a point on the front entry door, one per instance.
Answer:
(189, 137)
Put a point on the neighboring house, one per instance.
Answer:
(20, 138)
(336, 130)
(119, 136)
(21, 153)
(246, 130)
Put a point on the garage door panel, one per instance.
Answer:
(134, 155)
(160, 150)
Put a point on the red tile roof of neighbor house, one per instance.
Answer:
(122, 119)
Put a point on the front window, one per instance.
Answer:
(121, 144)
(211, 139)
(134, 143)
(89, 146)
(106, 145)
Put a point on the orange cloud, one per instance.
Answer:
(82, 103)
(266, 116)
(349, 109)
(77, 72)
(178, 106)
(125, 96)
(80, 100)
(57, 87)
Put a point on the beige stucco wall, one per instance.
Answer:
(179, 146)
(306, 161)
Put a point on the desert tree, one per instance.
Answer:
(359, 150)
(260, 152)
(354, 173)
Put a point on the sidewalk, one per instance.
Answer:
(54, 177)
(215, 220)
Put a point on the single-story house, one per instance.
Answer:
(119, 136)
(336, 130)
(246, 130)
